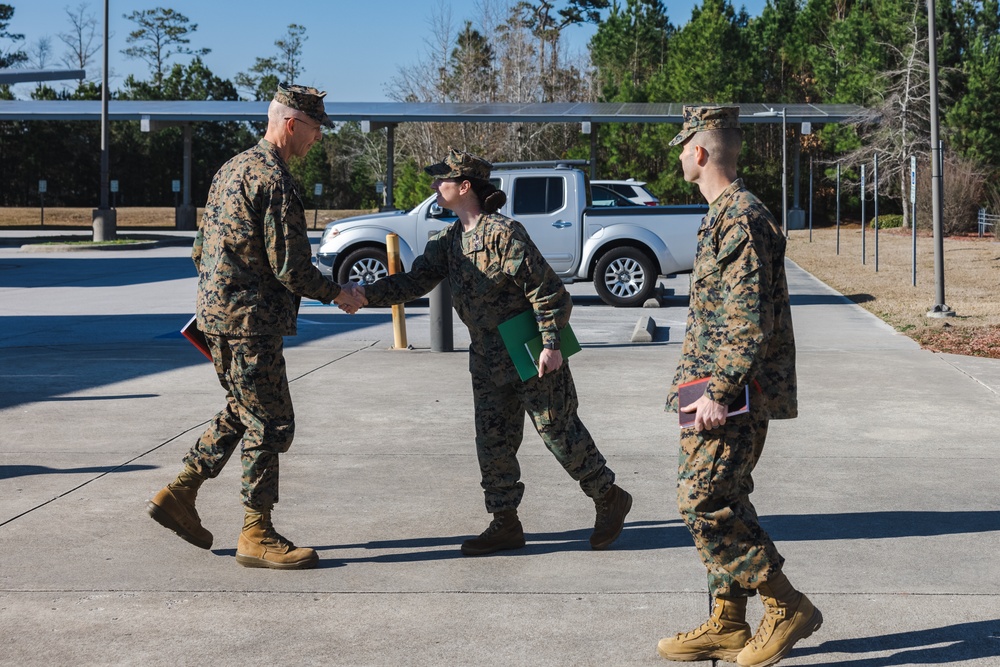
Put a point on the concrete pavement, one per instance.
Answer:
(882, 495)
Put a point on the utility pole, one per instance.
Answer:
(940, 308)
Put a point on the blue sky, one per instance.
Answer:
(354, 48)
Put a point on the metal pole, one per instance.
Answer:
(442, 334)
(390, 166)
(784, 172)
(875, 184)
(593, 150)
(863, 193)
(104, 217)
(810, 199)
(940, 308)
(913, 215)
(838, 208)
(105, 140)
(41, 197)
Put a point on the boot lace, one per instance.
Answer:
(496, 525)
(773, 614)
(604, 509)
(273, 537)
(700, 630)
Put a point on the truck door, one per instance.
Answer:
(540, 203)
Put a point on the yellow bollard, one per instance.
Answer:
(398, 314)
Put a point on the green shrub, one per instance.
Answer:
(888, 221)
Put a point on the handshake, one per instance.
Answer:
(351, 298)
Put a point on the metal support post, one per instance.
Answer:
(863, 224)
(810, 199)
(940, 308)
(390, 166)
(913, 215)
(185, 217)
(838, 208)
(875, 184)
(784, 172)
(104, 219)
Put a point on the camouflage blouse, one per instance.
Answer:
(495, 272)
(252, 252)
(739, 325)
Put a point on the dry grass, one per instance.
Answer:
(971, 281)
(132, 217)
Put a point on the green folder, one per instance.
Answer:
(524, 342)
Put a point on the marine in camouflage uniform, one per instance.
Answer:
(496, 272)
(739, 333)
(253, 259)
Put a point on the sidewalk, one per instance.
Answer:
(882, 495)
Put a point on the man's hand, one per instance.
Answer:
(549, 361)
(351, 298)
(708, 413)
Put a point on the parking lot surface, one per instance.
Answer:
(882, 495)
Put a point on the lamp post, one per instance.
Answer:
(104, 217)
(940, 308)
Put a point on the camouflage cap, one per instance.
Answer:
(698, 119)
(460, 164)
(302, 98)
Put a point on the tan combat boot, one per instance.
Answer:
(173, 508)
(611, 511)
(261, 546)
(721, 637)
(504, 532)
(788, 617)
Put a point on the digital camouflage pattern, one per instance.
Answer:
(252, 252)
(714, 483)
(302, 98)
(739, 332)
(739, 325)
(552, 403)
(700, 119)
(254, 264)
(258, 414)
(496, 272)
(460, 164)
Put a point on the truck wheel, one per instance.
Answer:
(364, 265)
(625, 277)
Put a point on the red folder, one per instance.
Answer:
(689, 392)
(197, 338)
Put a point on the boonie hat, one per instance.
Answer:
(699, 119)
(460, 164)
(305, 99)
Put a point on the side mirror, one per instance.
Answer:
(436, 210)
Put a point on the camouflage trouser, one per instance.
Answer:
(714, 483)
(258, 415)
(551, 402)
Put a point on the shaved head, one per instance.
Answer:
(723, 146)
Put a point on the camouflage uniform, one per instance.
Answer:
(496, 272)
(739, 331)
(254, 263)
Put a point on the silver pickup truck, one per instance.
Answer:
(622, 249)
